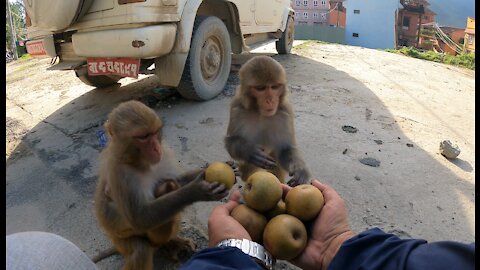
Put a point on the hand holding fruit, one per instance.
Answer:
(329, 230)
(221, 225)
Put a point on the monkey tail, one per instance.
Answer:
(104, 254)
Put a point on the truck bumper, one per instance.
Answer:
(144, 42)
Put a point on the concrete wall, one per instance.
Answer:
(320, 32)
(375, 24)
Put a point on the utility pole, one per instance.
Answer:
(12, 30)
(421, 12)
(338, 16)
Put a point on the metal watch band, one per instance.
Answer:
(252, 249)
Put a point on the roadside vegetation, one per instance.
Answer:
(463, 60)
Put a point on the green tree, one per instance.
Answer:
(17, 12)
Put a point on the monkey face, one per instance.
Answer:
(267, 97)
(150, 146)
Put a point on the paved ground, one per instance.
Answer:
(401, 107)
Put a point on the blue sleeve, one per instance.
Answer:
(375, 249)
(220, 258)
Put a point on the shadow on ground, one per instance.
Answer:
(55, 193)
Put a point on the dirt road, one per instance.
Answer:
(402, 108)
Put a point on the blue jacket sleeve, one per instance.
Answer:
(375, 249)
(220, 258)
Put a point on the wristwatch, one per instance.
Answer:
(254, 250)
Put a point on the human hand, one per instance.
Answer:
(221, 225)
(328, 232)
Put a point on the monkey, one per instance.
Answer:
(168, 185)
(260, 132)
(141, 190)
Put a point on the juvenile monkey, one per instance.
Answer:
(141, 190)
(260, 133)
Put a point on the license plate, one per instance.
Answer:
(125, 67)
(36, 48)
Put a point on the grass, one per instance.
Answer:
(19, 68)
(463, 60)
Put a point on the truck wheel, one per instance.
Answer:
(208, 63)
(100, 81)
(285, 43)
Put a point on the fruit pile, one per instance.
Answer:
(277, 224)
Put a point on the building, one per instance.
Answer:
(469, 40)
(338, 14)
(371, 23)
(311, 12)
(456, 35)
(411, 15)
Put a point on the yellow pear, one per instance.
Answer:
(304, 202)
(262, 191)
(285, 237)
(279, 209)
(220, 172)
(251, 220)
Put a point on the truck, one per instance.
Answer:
(187, 44)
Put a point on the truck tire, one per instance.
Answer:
(208, 63)
(100, 81)
(285, 43)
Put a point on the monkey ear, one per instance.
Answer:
(108, 128)
(244, 97)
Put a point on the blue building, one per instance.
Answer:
(371, 23)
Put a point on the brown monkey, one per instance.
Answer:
(141, 191)
(260, 132)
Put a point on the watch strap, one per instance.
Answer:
(253, 249)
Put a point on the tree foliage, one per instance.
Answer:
(17, 12)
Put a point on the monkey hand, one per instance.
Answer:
(234, 166)
(300, 175)
(203, 190)
(261, 159)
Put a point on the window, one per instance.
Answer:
(305, 15)
(324, 2)
(305, 2)
(315, 15)
(297, 3)
(425, 17)
(356, 11)
(315, 2)
(324, 16)
(406, 23)
(297, 15)
(355, 34)
(470, 39)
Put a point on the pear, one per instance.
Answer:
(304, 202)
(262, 191)
(251, 220)
(220, 172)
(280, 208)
(285, 237)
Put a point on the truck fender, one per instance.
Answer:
(169, 68)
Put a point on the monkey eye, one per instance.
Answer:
(143, 137)
(277, 86)
(259, 87)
